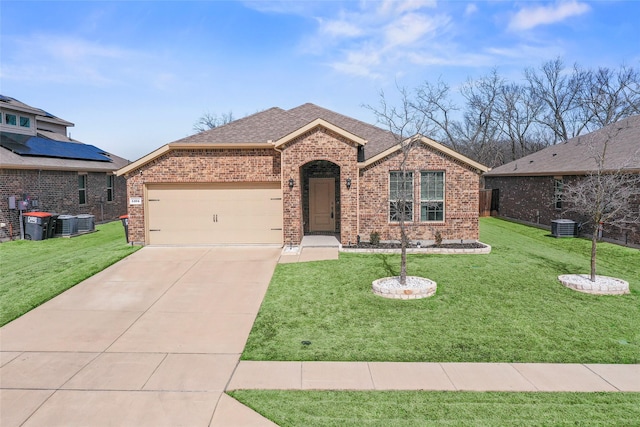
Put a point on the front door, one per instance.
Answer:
(322, 200)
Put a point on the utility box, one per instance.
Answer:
(66, 225)
(86, 223)
(563, 228)
(51, 230)
(36, 225)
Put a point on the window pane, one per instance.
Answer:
(432, 196)
(110, 180)
(400, 190)
(432, 186)
(10, 119)
(82, 189)
(432, 211)
(395, 208)
(25, 122)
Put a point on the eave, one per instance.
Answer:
(178, 146)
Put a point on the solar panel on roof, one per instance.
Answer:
(4, 98)
(26, 145)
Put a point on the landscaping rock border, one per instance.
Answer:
(603, 285)
(416, 288)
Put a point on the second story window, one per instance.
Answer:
(25, 122)
(10, 119)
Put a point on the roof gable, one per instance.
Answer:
(315, 124)
(432, 144)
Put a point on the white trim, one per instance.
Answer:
(430, 143)
(316, 123)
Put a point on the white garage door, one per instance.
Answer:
(201, 214)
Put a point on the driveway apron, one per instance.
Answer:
(151, 341)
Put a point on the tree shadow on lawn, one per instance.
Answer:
(388, 268)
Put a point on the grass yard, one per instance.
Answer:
(405, 408)
(33, 272)
(507, 306)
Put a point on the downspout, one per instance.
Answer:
(357, 202)
(281, 187)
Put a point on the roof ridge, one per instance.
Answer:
(339, 114)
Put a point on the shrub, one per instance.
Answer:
(374, 238)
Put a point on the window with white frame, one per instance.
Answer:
(110, 182)
(82, 189)
(400, 196)
(432, 196)
(25, 122)
(557, 193)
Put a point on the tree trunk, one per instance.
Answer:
(594, 245)
(403, 252)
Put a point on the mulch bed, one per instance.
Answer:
(367, 245)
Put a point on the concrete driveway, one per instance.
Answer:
(151, 341)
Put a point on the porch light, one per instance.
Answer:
(348, 183)
(290, 182)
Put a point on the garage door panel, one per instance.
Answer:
(215, 214)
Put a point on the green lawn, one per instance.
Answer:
(404, 408)
(503, 307)
(33, 272)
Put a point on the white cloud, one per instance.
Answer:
(395, 7)
(531, 17)
(470, 9)
(339, 28)
(410, 28)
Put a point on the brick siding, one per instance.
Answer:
(530, 199)
(199, 166)
(319, 144)
(461, 198)
(57, 192)
(319, 153)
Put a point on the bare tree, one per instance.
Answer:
(608, 196)
(407, 124)
(560, 93)
(433, 102)
(610, 95)
(517, 110)
(209, 121)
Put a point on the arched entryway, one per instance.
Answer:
(321, 211)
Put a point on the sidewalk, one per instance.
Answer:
(369, 376)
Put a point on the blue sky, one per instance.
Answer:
(134, 75)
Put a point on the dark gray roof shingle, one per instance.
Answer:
(576, 156)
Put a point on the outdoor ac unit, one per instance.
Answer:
(563, 228)
(86, 223)
(67, 225)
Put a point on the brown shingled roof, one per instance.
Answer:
(274, 123)
(575, 157)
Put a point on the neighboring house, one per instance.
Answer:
(54, 173)
(530, 188)
(275, 176)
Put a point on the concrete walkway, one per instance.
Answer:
(151, 341)
(369, 376)
(155, 340)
